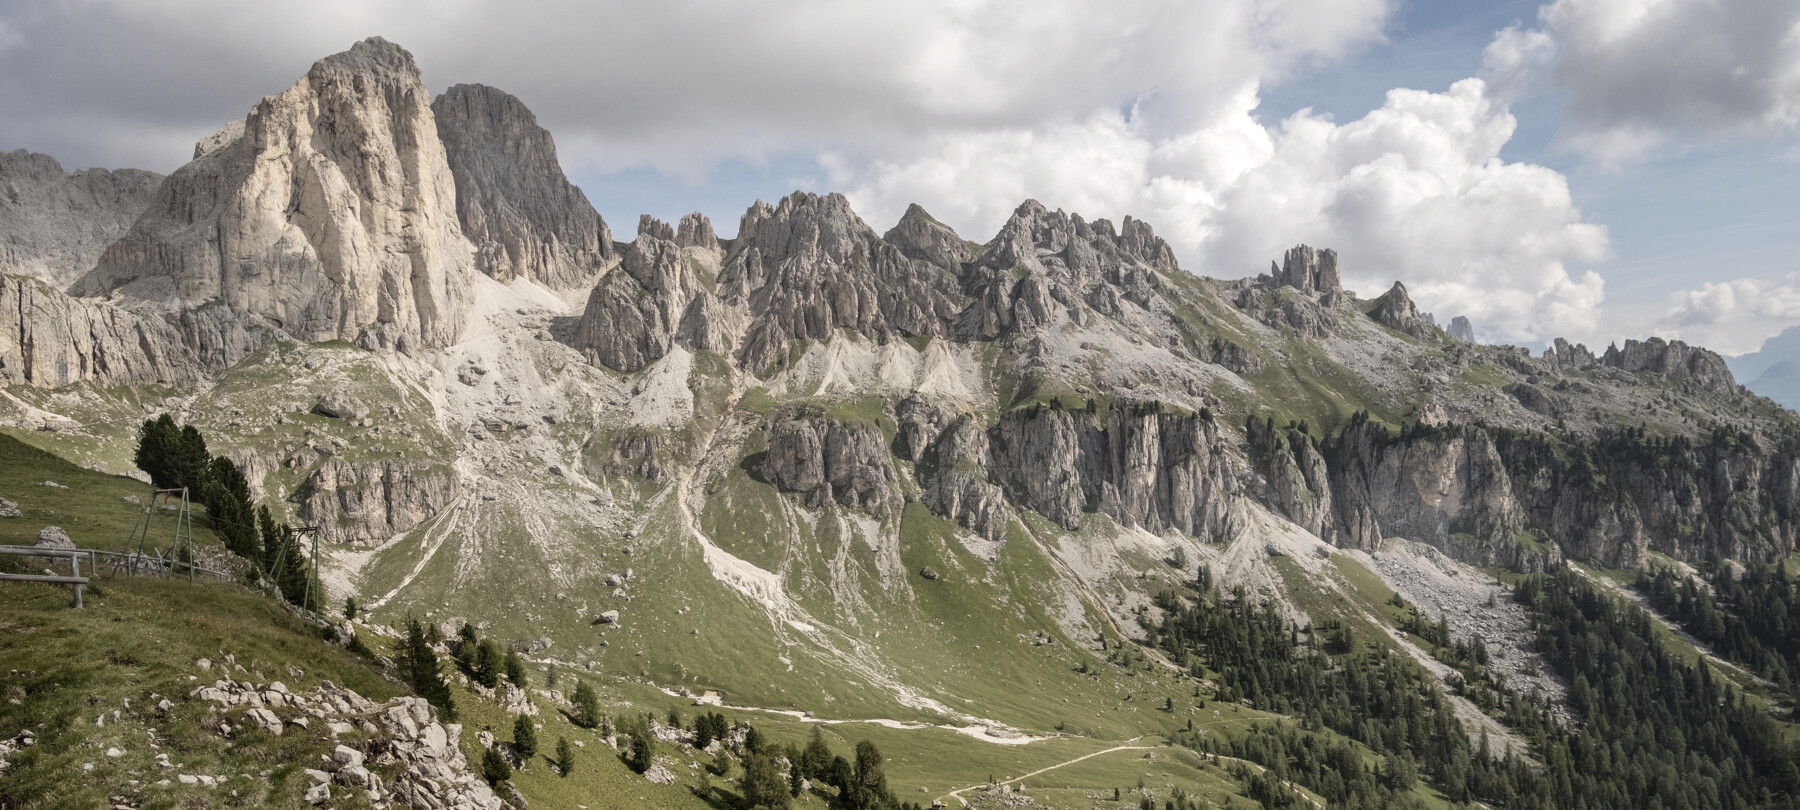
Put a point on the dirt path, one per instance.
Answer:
(957, 794)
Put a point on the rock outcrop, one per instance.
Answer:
(955, 475)
(1308, 270)
(333, 216)
(1046, 268)
(49, 340)
(524, 216)
(1395, 310)
(1693, 368)
(809, 266)
(1447, 487)
(1137, 462)
(1462, 329)
(54, 226)
(829, 459)
(1294, 475)
(921, 237)
(633, 313)
(370, 502)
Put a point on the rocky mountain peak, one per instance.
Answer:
(514, 203)
(1696, 368)
(655, 228)
(1462, 329)
(374, 57)
(922, 237)
(696, 230)
(803, 223)
(333, 217)
(1311, 270)
(1395, 310)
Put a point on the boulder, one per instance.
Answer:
(54, 537)
(8, 509)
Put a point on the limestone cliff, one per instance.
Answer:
(827, 459)
(1137, 463)
(49, 339)
(524, 216)
(1444, 486)
(53, 225)
(371, 502)
(1046, 268)
(333, 216)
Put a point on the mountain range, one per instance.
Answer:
(821, 467)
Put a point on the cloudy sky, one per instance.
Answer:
(1596, 169)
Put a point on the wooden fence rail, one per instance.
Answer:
(118, 562)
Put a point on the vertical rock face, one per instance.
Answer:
(696, 230)
(50, 339)
(54, 226)
(1309, 270)
(370, 502)
(830, 459)
(957, 485)
(809, 266)
(1137, 464)
(1444, 486)
(1697, 369)
(333, 215)
(1295, 477)
(1568, 357)
(524, 216)
(1395, 310)
(633, 313)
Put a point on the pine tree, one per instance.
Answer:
(514, 669)
(484, 666)
(159, 443)
(754, 742)
(565, 756)
(466, 642)
(350, 608)
(640, 753)
(419, 666)
(191, 460)
(494, 767)
(869, 788)
(762, 786)
(524, 738)
(587, 706)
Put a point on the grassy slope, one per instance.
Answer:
(93, 509)
(136, 642)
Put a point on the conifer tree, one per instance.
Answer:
(587, 706)
(494, 767)
(419, 666)
(524, 738)
(565, 756)
(762, 786)
(514, 669)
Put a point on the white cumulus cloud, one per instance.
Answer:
(1733, 317)
(1642, 77)
(1415, 190)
